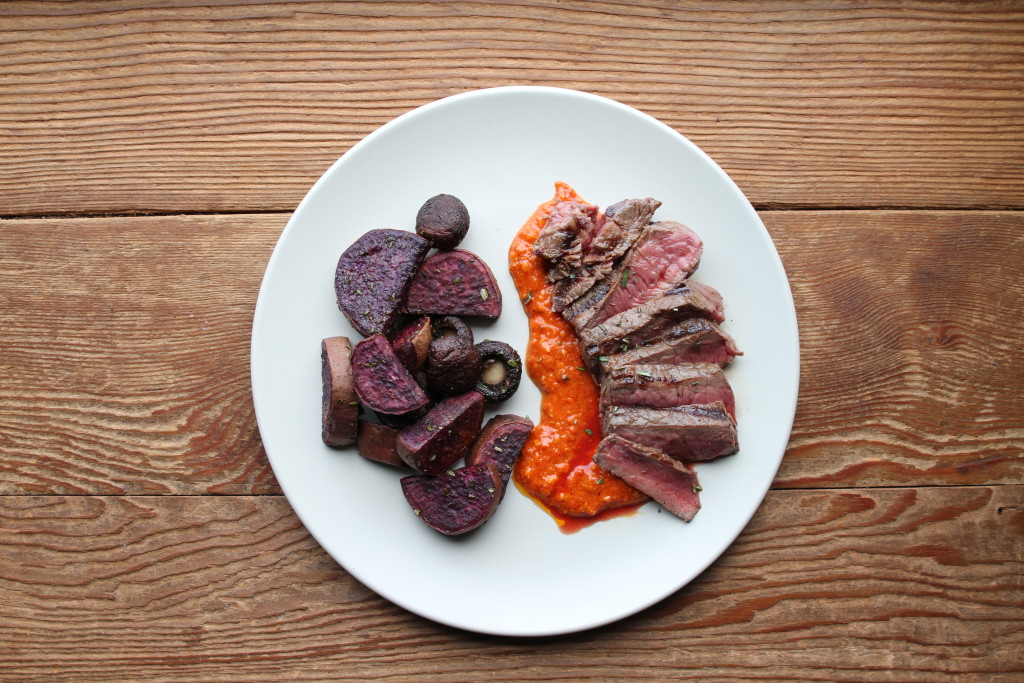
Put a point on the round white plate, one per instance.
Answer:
(501, 150)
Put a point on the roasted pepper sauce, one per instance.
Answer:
(556, 467)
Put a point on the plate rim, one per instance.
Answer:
(789, 402)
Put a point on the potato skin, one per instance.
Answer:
(377, 442)
(373, 277)
(456, 282)
(340, 405)
(436, 441)
(381, 381)
(501, 442)
(457, 501)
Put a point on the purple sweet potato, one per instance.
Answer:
(382, 382)
(412, 342)
(454, 282)
(340, 405)
(377, 442)
(443, 435)
(501, 442)
(458, 500)
(373, 276)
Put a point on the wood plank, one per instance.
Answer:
(868, 585)
(130, 374)
(132, 106)
(126, 354)
(910, 326)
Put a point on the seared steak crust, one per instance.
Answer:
(687, 433)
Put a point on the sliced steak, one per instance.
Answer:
(671, 483)
(579, 312)
(623, 225)
(687, 433)
(651, 321)
(696, 340)
(560, 241)
(666, 386)
(581, 246)
(665, 255)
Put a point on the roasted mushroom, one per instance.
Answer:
(451, 325)
(443, 220)
(453, 366)
(500, 371)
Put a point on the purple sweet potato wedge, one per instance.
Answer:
(442, 436)
(412, 342)
(377, 442)
(373, 276)
(458, 500)
(454, 282)
(340, 404)
(382, 382)
(501, 442)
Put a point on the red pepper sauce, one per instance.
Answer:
(556, 467)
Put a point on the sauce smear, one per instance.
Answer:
(556, 467)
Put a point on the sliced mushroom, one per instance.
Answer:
(500, 371)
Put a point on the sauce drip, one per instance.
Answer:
(556, 467)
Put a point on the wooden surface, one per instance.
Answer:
(152, 154)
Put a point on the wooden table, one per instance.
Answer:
(151, 155)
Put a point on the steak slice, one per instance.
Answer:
(666, 386)
(665, 255)
(560, 241)
(579, 312)
(653, 320)
(687, 433)
(696, 340)
(582, 247)
(567, 290)
(624, 222)
(671, 483)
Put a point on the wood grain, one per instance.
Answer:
(125, 355)
(121, 107)
(910, 326)
(870, 585)
(125, 351)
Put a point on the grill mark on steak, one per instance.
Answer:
(623, 225)
(687, 433)
(666, 386)
(653, 320)
(696, 340)
(671, 483)
(665, 255)
(582, 246)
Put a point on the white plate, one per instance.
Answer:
(501, 150)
